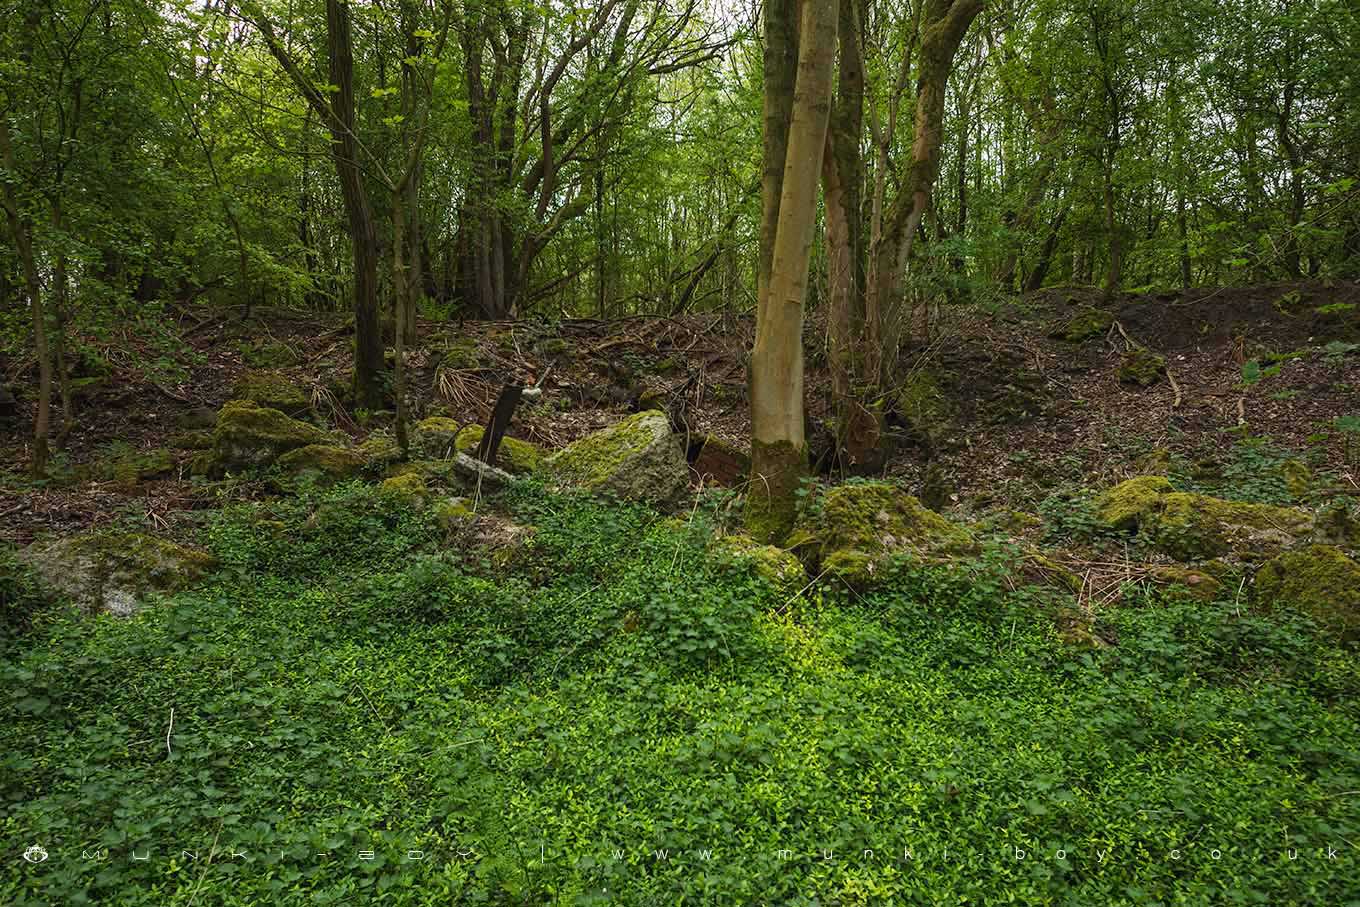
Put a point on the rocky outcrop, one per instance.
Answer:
(1141, 367)
(638, 459)
(114, 572)
(858, 527)
(780, 568)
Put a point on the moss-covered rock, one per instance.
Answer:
(199, 417)
(1319, 580)
(379, 450)
(453, 512)
(1337, 525)
(274, 391)
(249, 435)
(859, 526)
(1087, 324)
(637, 459)
(514, 456)
(1039, 569)
(113, 572)
(1127, 504)
(780, 568)
(268, 353)
(408, 487)
(194, 439)
(1198, 583)
(1077, 628)
(433, 437)
(324, 460)
(1141, 367)
(127, 466)
(924, 408)
(1156, 462)
(1194, 527)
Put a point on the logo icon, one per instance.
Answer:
(36, 853)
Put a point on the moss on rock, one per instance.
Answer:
(379, 450)
(114, 571)
(434, 437)
(1127, 504)
(325, 460)
(273, 390)
(637, 459)
(1088, 323)
(250, 435)
(127, 466)
(514, 456)
(409, 487)
(1195, 527)
(453, 512)
(859, 526)
(924, 408)
(194, 439)
(1141, 367)
(1197, 583)
(1298, 478)
(1337, 525)
(780, 568)
(1319, 580)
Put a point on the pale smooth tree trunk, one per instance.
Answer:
(778, 446)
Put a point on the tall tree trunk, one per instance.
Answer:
(1036, 277)
(778, 446)
(368, 347)
(946, 23)
(22, 230)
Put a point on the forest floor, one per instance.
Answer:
(1016, 412)
(557, 698)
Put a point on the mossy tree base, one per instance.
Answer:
(777, 470)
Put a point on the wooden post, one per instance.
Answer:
(498, 423)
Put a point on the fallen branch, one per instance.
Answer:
(1175, 404)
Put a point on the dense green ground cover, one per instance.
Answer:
(543, 727)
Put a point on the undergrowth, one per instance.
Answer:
(610, 716)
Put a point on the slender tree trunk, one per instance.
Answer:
(21, 229)
(778, 446)
(368, 346)
(60, 306)
(946, 23)
(1036, 277)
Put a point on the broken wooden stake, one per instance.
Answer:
(501, 415)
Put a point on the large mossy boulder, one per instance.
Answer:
(1196, 527)
(514, 456)
(325, 461)
(273, 390)
(114, 572)
(1319, 580)
(858, 527)
(249, 435)
(638, 459)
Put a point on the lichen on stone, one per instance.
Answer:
(636, 459)
(114, 571)
(1319, 580)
